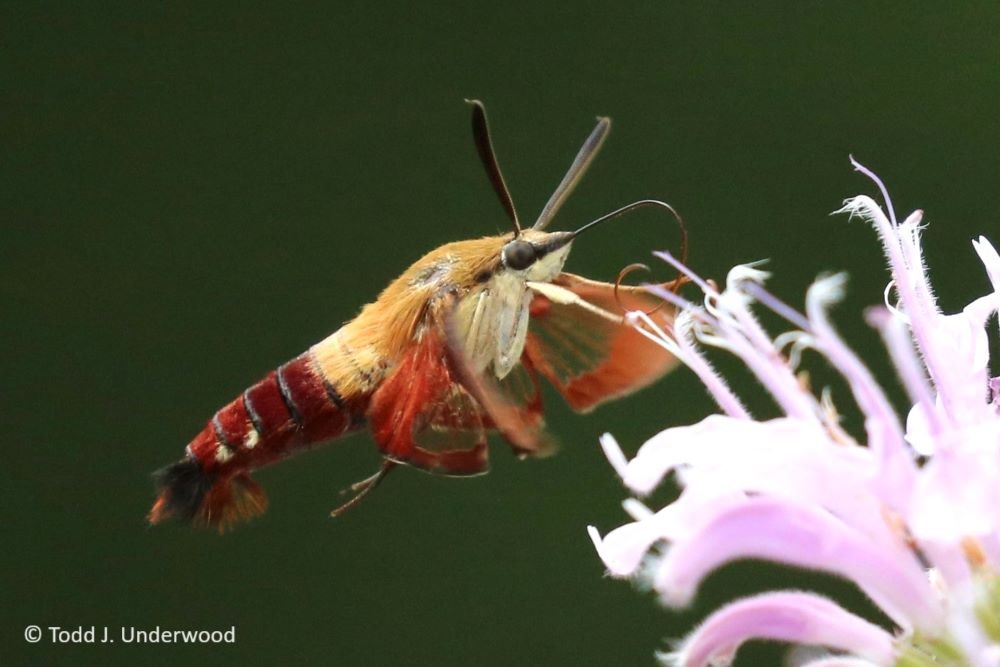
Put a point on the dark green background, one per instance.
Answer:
(190, 197)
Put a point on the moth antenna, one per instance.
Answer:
(484, 146)
(363, 488)
(576, 171)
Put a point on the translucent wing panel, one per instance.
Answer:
(421, 416)
(572, 340)
(590, 358)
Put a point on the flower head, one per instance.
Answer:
(911, 515)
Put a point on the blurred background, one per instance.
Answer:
(193, 196)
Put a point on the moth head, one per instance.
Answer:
(536, 255)
(532, 252)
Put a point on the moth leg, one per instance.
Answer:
(364, 487)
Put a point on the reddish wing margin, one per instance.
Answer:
(421, 416)
(588, 358)
(433, 412)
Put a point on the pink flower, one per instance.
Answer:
(911, 516)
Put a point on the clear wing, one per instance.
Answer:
(579, 342)
(434, 411)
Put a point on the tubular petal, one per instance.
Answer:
(787, 616)
(623, 549)
(720, 455)
(782, 531)
(885, 434)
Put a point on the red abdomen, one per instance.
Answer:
(290, 409)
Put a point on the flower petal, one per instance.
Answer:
(957, 353)
(802, 618)
(718, 442)
(614, 454)
(784, 531)
(958, 492)
(623, 549)
(784, 457)
(885, 434)
(990, 258)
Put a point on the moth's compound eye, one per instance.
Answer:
(519, 255)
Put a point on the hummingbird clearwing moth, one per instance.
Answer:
(452, 349)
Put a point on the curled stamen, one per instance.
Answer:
(879, 184)
(893, 307)
(796, 341)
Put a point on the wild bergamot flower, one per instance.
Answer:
(911, 515)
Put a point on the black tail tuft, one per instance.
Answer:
(188, 493)
(182, 487)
